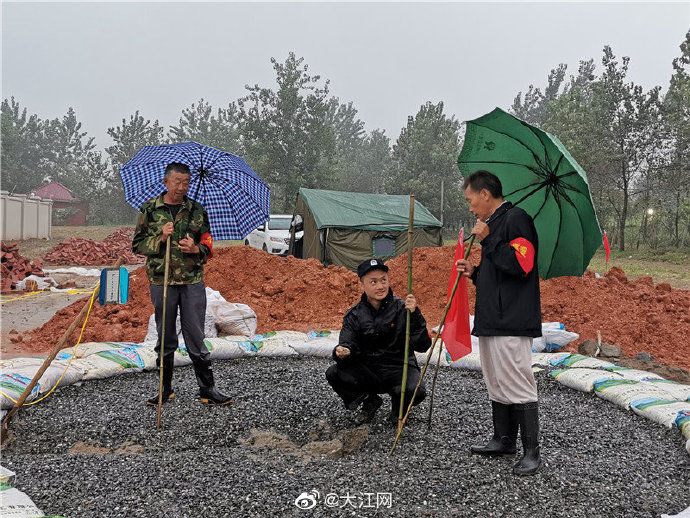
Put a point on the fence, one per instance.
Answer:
(24, 216)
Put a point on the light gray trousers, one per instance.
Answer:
(507, 368)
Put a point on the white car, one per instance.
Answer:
(272, 237)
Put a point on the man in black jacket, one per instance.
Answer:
(507, 317)
(369, 354)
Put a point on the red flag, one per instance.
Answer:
(456, 331)
(607, 248)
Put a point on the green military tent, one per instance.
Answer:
(345, 228)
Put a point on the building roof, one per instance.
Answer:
(365, 211)
(54, 191)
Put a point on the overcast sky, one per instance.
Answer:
(109, 59)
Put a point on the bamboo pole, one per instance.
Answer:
(438, 360)
(162, 342)
(46, 363)
(410, 247)
(431, 351)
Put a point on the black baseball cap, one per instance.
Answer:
(369, 265)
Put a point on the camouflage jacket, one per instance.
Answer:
(184, 268)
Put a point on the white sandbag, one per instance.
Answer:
(580, 361)
(114, 361)
(18, 373)
(662, 411)
(315, 343)
(682, 422)
(88, 348)
(148, 356)
(275, 343)
(556, 336)
(15, 504)
(468, 362)
(234, 319)
(682, 514)
(226, 348)
(679, 391)
(42, 283)
(212, 298)
(546, 359)
(581, 379)
(7, 476)
(622, 392)
(630, 374)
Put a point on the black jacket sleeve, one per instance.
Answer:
(419, 336)
(499, 251)
(347, 338)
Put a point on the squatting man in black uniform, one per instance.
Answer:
(369, 354)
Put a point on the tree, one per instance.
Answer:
(611, 127)
(199, 124)
(288, 138)
(128, 139)
(675, 175)
(24, 156)
(348, 132)
(70, 151)
(535, 107)
(425, 155)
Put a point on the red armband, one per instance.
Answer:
(524, 251)
(207, 240)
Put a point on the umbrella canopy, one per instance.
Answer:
(539, 175)
(236, 199)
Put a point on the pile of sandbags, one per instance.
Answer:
(82, 251)
(16, 267)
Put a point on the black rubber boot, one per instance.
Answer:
(371, 405)
(207, 387)
(168, 392)
(505, 433)
(353, 404)
(528, 418)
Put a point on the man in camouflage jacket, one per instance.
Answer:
(174, 215)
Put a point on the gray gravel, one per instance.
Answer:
(600, 460)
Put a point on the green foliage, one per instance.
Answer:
(128, 139)
(424, 155)
(198, 123)
(23, 153)
(631, 142)
(287, 133)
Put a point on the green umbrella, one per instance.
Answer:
(539, 175)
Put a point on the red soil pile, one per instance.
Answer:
(635, 315)
(289, 293)
(87, 252)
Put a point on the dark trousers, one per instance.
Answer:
(352, 379)
(191, 301)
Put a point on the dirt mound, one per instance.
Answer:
(635, 315)
(87, 252)
(285, 293)
(289, 293)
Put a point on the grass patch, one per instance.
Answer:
(228, 242)
(672, 267)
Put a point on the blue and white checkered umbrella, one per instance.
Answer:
(236, 199)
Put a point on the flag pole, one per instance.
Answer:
(438, 360)
(428, 357)
(410, 247)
